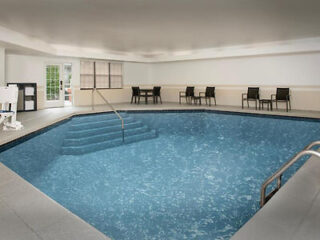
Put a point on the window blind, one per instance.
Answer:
(100, 75)
(116, 75)
(87, 74)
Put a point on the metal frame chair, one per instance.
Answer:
(188, 95)
(135, 94)
(208, 94)
(251, 95)
(282, 95)
(157, 94)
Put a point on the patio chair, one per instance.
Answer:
(208, 94)
(188, 95)
(135, 94)
(157, 94)
(251, 95)
(282, 95)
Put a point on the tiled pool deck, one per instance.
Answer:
(26, 213)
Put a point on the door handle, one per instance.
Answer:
(61, 85)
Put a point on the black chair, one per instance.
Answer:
(208, 94)
(282, 95)
(135, 94)
(156, 94)
(188, 95)
(251, 95)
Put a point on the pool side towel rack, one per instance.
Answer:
(278, 174)
(112, 108)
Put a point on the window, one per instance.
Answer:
(100, 74)
(116, 75)
(86, 74)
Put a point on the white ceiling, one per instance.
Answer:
(150, 27)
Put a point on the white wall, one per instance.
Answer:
(286, 70)
(2, 66)
(22, 68)
(133, 74)
(137, 73)
(291, 70)
(231, 76)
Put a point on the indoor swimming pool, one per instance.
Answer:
(197, 175)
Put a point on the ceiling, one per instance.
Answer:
(149, 27)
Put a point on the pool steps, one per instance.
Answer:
(99, 130)
(104, 136)
(97, 117)
(94, 133)
(99, 124)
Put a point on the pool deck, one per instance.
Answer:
(26, 213)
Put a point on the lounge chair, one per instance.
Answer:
(251, 95)
(157, 94)
(135, 94)
(188, 95)
(282, 95)
(208, 94)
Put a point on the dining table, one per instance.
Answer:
(146, 92)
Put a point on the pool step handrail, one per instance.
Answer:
(278, 174)
(113, 109)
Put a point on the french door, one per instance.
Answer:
(54, 96)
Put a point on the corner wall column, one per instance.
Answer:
(2, 66)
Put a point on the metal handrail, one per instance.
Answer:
(115, 111)
(278, 174)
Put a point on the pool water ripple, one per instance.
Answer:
(199, 179)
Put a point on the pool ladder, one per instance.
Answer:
(278, 174)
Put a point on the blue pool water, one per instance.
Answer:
(198, 179)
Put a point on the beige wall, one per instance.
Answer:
(231, 76)
(302, 98)
(24, 68)
(40, 97)
(84, 97)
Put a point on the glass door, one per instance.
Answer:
(54, 86)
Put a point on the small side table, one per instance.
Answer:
(197, 100)
(268, 102)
